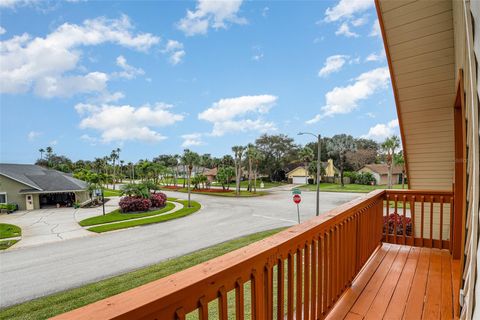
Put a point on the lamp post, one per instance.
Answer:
(318, 136)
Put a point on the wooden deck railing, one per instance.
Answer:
(296, 274)
(418, 218)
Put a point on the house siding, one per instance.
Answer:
(12, 188)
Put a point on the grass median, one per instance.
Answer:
(9, 231)
(185, 211)
(211, 192)
(58, 303)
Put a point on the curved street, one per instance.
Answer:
(35, 271)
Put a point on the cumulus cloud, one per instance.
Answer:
(2, 30)
(42, 63)
(211, 14)
(175, 50)
(128, 72)
(235, 114)
(344, 30)
(332, 64)
(127, 123)
(192, 139)
(381, 131)
(376, 32)
(32, 135)
(346, 9)
(16, 3)
(342, 100)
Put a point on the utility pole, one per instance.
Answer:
(318, 136)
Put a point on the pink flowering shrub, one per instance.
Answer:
(398, 220)
(158, 199)
(132, 204)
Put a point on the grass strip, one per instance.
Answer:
(9, 231)
(185, 211)
(118, 215)
(49, 306)
(5, 244)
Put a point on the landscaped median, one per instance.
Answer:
(117, 220)
(61, 302)
(10, 232)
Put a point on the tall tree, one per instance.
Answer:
(238, 153)
(278, 150)
(398, 160)
(251, 150)
(306, 156)
(41, 150)
(190, 159)
(338, 147)
(390, 145)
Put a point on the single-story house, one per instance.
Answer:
(330, 169)
(298, 175)
(211, 174)
(380, 172)
(34, 187)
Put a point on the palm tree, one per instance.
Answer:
(238, 152)
(306, 155)
(190, 159)
(398, 160)
(257, 157)
(389, 146)
(251, 150)
(41, 150)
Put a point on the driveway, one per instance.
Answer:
(32, 272)
(52, 225)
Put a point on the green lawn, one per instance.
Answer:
(5, 244)
(58, 303)
(9, 231)
(243, 193)
(185, 211)
(333, 187)
(117, 215)
(112, 193)
(244, 184)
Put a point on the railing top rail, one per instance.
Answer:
(203, 278)
(419, 192)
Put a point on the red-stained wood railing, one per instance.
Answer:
(296, 274)
(418, 218)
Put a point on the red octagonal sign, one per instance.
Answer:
(297, 199)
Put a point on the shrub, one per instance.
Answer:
(365, 178)
(9, 206)
(398, 220)
(131, 204)
(352, 175)
(158, 199)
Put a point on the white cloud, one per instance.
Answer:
(32, 135)
(2, 30)
(376, 32)
(53, 143)
(192, 139)
(265, 12)
(257, 53)
(234, 114)
(381, 131)
(344, 30)
(359, 21)
(128, 72)
(214, 14)
(175, 50)
(346, 9)
(41, 63)
(373, 57)
(342, 100)
(91, 140)
(14, 3)
(332, 64)
(124, 122)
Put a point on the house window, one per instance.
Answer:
(3, 197)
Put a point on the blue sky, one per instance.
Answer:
(155, 77)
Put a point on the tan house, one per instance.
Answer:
(211, 174)
(365, 259)
(298, 175)
(380, 172)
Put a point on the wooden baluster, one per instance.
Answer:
(441, 222)
(412, 216)
(450, 245)
(431, 221)
(314, 264)
(330, 267)
(203, 309)
(343, 255)
(357, 243)
(290, 305)
(422, 218)
(395, 221)
(258, 308)
(298, 307)
(280, 289)
(268, 277)
(322, 278)
(222, 304)
(306, 282)
(239, 300)
(338, 266)
(333, 267)
(387, 214)
(180, 314)
(404, 224)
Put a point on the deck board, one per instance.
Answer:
(402, 282)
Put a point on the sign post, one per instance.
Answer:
(297, 199)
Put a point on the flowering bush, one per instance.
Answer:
(396, 219)
(131, 204)
(158, 199)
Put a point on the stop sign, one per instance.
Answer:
(297, 199)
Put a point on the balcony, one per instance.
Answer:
(386, 254)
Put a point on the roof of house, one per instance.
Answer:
(41, 179)
(382, 168)
(211, 172)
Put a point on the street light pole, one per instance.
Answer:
(318, 136)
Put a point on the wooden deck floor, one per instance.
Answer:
(402, 282)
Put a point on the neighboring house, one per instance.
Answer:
(298, 176)
(183, 170)
(34, 187)
(211, 174)
(380, 172)
(330, 169)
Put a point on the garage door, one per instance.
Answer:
(298, 180)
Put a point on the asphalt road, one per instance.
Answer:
(37, 271)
